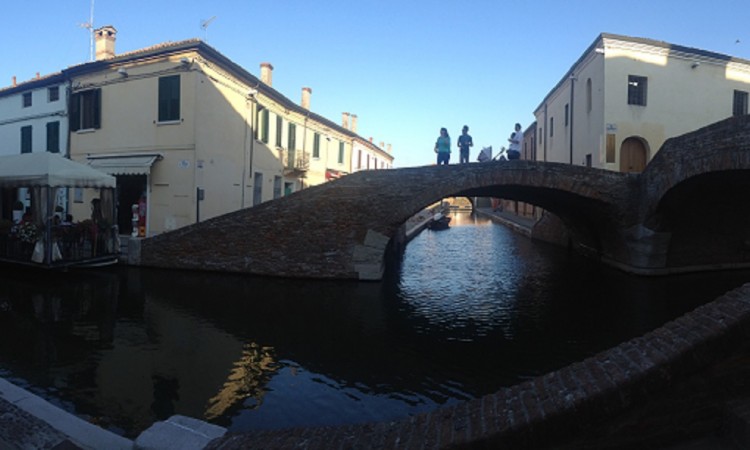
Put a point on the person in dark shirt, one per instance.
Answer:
(464, 143)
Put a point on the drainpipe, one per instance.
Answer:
(68, 94)
(570, 130)
(248, 159)
(253, 111)
(545, 130)
(304, 148)
(243, 182)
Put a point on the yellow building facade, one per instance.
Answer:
(625, 97)
(192, 135)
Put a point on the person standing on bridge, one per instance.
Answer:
(514, 149)
(464, 142)
(443, 147)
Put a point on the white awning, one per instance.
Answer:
(124, 164)
(49, 169)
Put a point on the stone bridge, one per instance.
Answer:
(687, 211)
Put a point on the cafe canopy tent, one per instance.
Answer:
(43, 174)
(43, 169)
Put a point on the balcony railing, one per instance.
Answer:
(295, 162)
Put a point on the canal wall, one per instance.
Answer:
(579, 405)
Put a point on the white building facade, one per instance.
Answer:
(33, 116)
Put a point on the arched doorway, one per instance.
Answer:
(633, 155)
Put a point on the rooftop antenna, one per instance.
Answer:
(90, 26)
(204, 26)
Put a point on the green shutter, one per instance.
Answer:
(26, 139)
(316, 146)
(264, 129)
(75, 112)
(97, 108)
(169, 98)
(292, 137)
(53, 137)
(279, 130)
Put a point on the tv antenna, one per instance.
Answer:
(204, 26)
(90, 26)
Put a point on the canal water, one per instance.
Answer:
(465, 312)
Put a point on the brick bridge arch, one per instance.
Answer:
(344, 228)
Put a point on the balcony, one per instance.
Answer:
(295, 163)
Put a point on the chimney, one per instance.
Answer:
(14, 81)
(382, 144)
(306, 91)
(38, 76)
(345, 120)
(105, 42)
(389, 148)
(266, 73)
(354, 123)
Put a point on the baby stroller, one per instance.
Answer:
(485, 154)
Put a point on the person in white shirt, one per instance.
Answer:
(514, 149)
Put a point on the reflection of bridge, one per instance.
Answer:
(687, 211)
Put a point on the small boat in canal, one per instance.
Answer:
(439, 222)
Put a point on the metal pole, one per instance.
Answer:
(198, 198)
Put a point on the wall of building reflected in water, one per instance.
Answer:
(464, 312)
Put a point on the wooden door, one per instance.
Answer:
(632, 156)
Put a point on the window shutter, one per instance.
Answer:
(53, 137)
(97, 105)
(264, 130)
(26, 139)
(75, 112)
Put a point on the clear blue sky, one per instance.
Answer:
(405, 68)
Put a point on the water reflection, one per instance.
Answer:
(466, 311)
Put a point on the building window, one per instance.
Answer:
(292, 138)
(739, 107)
(588, 96)
(26, 139)
(53, 94)
(26, 98)
(567, 114)
(53, 137)
(85, 110)
(316, 146)
(588, 160)
(169, 98)
(637, 87)
(551, 126)
(541, 135)
(279, 130)
(341, 153)
(359, 159)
